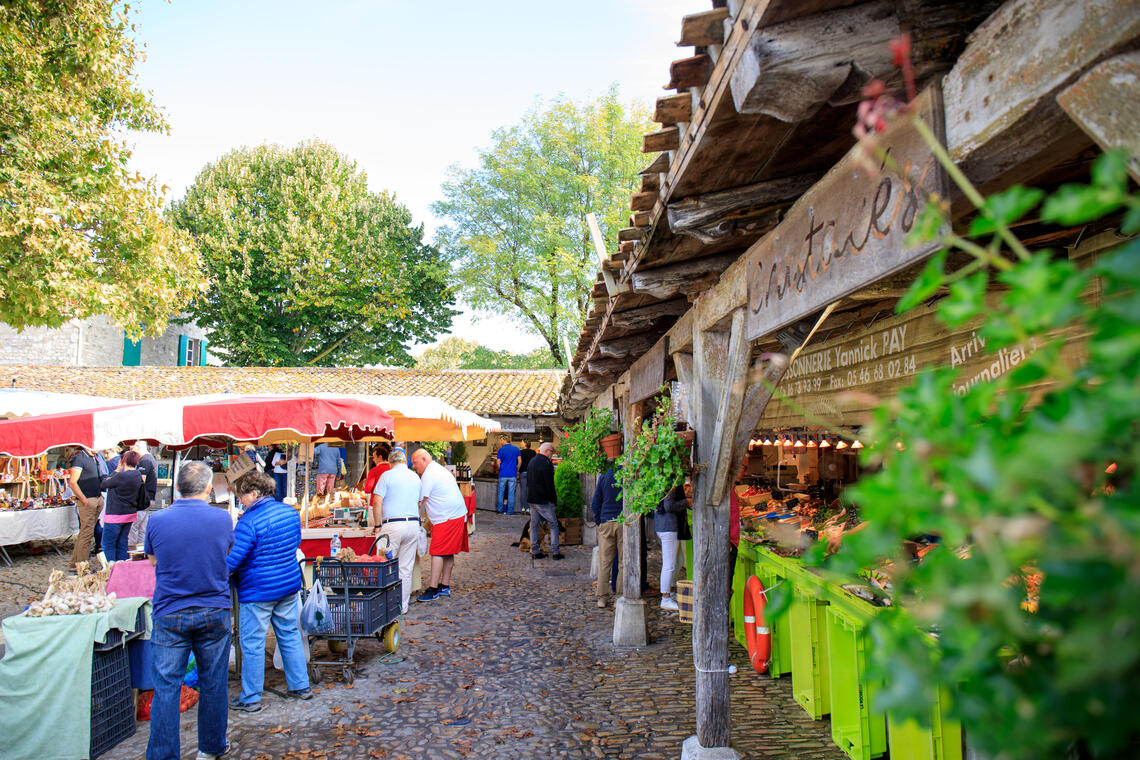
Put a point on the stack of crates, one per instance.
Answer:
(112, 700)
(811, 667)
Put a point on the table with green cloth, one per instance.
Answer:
(45, 680)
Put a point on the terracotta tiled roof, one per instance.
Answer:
(502, 392)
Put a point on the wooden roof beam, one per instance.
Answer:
(659, 165)
(1105, 103)
(789, 71)
(689, 72)
(687, 277)
(703, 29)
(1020, 71)
(643, 316)
(700, 211)
(661, 140)
(673, 109)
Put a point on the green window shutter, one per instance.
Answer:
(132, 352)
(183, 348)
(202, 351)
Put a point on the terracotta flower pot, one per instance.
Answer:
(611, 445)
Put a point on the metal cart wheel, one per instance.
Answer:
(314, 674)
(349, 676)
(389, 635)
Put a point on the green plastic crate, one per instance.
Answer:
(941, 741)
(745, 568)
(781, 629)
(811, 669)
(857, 730)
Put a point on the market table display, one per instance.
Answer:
(18, 526)
(45, 680)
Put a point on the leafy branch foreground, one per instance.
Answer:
(1041, 488)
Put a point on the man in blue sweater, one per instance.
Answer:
(607, 514)
(187, 544)
(264, 560)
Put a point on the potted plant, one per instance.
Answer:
(654, 463)
(582, 447)
(568, 510)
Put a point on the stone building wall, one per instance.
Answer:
(94, 342)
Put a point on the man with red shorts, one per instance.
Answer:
(441, 500)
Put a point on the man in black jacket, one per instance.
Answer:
(542, 497)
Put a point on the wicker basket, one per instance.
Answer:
(685, 601)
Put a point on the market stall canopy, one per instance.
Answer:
(215, 419)
(18, 402)
(428, 418)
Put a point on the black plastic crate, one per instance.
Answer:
(367, 611)
(333, 574)
(119, 638)
(395, 601)
(112, 705)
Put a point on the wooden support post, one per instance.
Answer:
(711, 546)
(631, 624)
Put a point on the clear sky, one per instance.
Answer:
(405, 87)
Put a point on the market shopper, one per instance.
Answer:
(542, 498)
(125, 488)
(268, 579)
(672, 527)
(255, 457)
(187, 544)
(380, 466)
(149, 469)
(396, 510)
(509, 458)
(328, 467)
(443, 503)
(86, 487)
(607, 508)
(279, 461)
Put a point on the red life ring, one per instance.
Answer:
(756, 633)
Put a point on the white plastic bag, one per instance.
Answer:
(316, 617)
(423, 547)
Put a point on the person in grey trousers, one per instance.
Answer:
(542, 497)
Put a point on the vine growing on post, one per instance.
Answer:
(654, 462)
(1032, 600)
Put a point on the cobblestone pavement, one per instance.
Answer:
(519, 663)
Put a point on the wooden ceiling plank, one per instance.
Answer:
(688, 276)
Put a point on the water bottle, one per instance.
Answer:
(334, 545)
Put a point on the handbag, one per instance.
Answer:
(142, 498)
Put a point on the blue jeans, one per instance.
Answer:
(205, 631)
(508, 485)
(115, 541)
(255, 620)
(282, 481)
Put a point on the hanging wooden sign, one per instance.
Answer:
(648, 373)
(848, 231)
(842, 379)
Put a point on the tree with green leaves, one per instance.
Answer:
(516, 223)
(80, 233)
(458, 353)
(307, 265)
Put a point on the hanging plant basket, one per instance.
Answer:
(611, 445)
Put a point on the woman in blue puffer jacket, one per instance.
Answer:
(263, 561)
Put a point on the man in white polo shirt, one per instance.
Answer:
(396, 510)
(444, 505)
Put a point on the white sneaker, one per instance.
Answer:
(669, 603)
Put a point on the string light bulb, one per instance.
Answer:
(811, 444)
(842, 444)
(857, 444)
(799, 444)
(767, 441)
(788, 443)
(824, 443)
